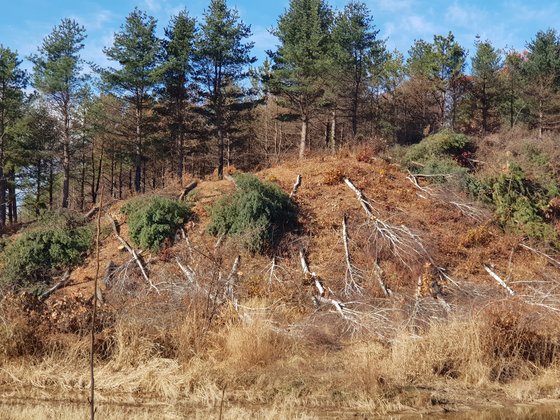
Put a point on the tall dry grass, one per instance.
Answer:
(254, 360)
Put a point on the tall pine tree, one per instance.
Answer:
(137, 50)
(177, 71)
(12, 82)
(302, 60)
(486, 65)
(222, 59)
(58, 75)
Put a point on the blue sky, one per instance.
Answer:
(507, 23)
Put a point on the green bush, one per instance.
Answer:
(152, 220)
(445, 143)
(257, 213)
(521, 203)
(57, 242)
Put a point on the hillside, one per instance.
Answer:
(413, 318)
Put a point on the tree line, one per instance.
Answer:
(193, 102)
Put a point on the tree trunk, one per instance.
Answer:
(98, 181)
(303, 139)
(66, 157)
(12, 198)
(3, 203)
(112, 187)
(138, 151)
(143, 165)
(485, 108)
(540, 119)
(181, 157)
(332, 138)
(83, 183)
(120, 179)
(355, 101)
(38, 190)
(51, 183)
(220, 154)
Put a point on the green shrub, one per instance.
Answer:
(521, 203)
(152, 220)
(442, 144)
(443, 166)
(57, 242)
(257, 213)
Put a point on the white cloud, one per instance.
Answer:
(393, 5)
(263, 39)
(153, 5)
(463, 16)
(419, 25)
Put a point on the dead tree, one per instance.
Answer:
(132, 252)
(321, 296)
(499, 280)
(352, 273)
(404, 244)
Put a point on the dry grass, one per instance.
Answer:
(253, 360)
(267, 352)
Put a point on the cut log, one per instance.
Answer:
(296, 186)
(65, 279)
(188, 189)
(91, 212)
(542, 254)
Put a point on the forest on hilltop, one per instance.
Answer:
(193, 102)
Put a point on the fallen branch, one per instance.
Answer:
(499, 280)
(132, 252)
(188, 189)
(109, 271)
(219, 241)
(188, 272)
(91, 212)
(230, 281)
(62, 283)
(272, 275)
(351, 271)
(404, 244)
(467, 209)
(230, 179)
(320, 297)
(378, 273)
(296, 186)
(542, 254)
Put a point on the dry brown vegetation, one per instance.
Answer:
(252, 341)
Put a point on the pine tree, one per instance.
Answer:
(177, 70)
(12, 82)
(511, 78)
(486, 65)
(440, 63)
(58, 75)
(302, 60)
(222, 58)
(541, 72)
(137, 50)
(357, 54)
